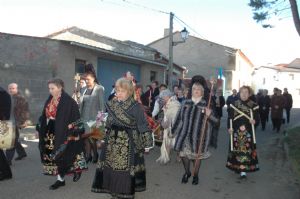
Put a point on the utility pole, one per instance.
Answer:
(170, 68)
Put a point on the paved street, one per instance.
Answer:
(275, 179)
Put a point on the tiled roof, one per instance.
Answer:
(129, 48)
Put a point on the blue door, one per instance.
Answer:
(108, 71)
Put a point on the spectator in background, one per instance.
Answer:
(277, 105)
(180, 95)
(231, 98)
(219, 104)
(20, 114)
(146, 98)
(175, 90)
(264, 107)
(155, 93)
(288, 103)
(82, 85)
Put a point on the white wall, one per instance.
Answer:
(281, 80)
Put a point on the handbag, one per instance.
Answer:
(7, 134)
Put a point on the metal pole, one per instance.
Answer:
(170, 68)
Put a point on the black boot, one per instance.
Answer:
(185, 178)
(95, 158)
(195, 180)
(5, 177)
(57, 184)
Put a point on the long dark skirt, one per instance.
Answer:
(4, 167)
(72, 159)
(243, 158)
(121, 168)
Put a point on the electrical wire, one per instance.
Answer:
(176, 18)
(189, 27)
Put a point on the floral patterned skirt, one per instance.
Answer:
(50, 167)
(243, 158)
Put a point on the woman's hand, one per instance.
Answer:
(230, 131)
(252, 122)
(207, 112)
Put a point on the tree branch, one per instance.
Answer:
(295, 14)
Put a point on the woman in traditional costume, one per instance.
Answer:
(243, 115)
(60, 132)
(207, 92)
(91, 102)
(121, 168)
(170, 109)
(188, 131)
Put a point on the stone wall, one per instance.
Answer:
(30, 62)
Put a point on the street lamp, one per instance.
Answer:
(184, 35)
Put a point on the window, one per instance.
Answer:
(292, 76)
(264, 81)
(79, 66)
(153, 76)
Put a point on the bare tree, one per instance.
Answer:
(264, 10)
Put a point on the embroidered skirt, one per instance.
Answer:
(243, 158)
(121, 168)
(73, 158)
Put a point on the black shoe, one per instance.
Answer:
(195, 180)
(185, 178)
(5, 177)
(76, 176)
(20, 157)
(89, 159)
(95, 159)
(57, 184)
(243, 177)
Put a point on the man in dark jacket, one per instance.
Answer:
(5, 107)
(277, 105)
(264, 108)
(231, 98)
(20, 114)
(219, 104)
(154, 94)
(288, 103)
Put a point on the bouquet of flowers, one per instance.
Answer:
(98, 127)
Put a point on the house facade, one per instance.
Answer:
(209, 59)
(280, 76)
(113, 58)
(32, 61)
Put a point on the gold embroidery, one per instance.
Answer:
(118, 112)
(117, 151)
(49, 139)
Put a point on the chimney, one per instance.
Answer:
(166, 32)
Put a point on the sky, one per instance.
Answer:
(225, 22)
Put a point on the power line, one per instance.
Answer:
(113, 3)
(145, 7)
(189, 27)
(158, 11)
